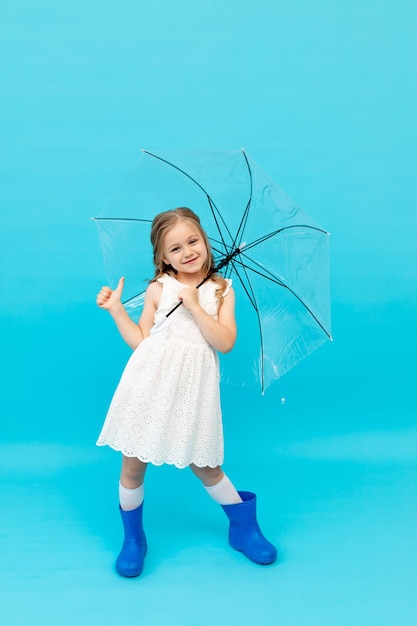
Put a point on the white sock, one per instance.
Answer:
(224, 492)
(131, 498)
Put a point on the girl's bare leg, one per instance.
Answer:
(209, 476)
(133, 471)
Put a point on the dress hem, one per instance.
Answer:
(159, 463)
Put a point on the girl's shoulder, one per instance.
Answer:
(153, 292)
(154, 287)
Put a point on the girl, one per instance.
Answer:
(166, 408)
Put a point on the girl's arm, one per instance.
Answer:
(133, 334)
(221, 333)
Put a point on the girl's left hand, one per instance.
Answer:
(189, 298)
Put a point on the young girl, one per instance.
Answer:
(166, 408)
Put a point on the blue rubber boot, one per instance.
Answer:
(129, 563)
(244, 532)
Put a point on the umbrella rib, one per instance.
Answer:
(250, 293)
(271, 277)
(134, 297)
(280, 230)
(241, 229)
(279, 282)
(252, 299)
(211, 203)
(264, 274)
(120, 219)
(210, 200)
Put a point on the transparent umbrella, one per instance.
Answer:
(276, 254)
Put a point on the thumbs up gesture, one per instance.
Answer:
(107, 298)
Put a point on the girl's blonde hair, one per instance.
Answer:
(162, 223)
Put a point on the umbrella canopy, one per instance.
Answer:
(278, 256)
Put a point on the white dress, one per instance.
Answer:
(166, 408)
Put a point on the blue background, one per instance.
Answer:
(323, 96)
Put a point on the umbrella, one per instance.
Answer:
(276, 254)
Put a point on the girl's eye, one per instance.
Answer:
(175, 249)
(193, 241)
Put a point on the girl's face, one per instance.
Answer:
(184, 249)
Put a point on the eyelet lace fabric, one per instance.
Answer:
(166, 408)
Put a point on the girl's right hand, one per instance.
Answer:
(107, 298)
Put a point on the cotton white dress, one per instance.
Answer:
(166, 408)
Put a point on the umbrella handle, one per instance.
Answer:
(218, 267)
(174, 308)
